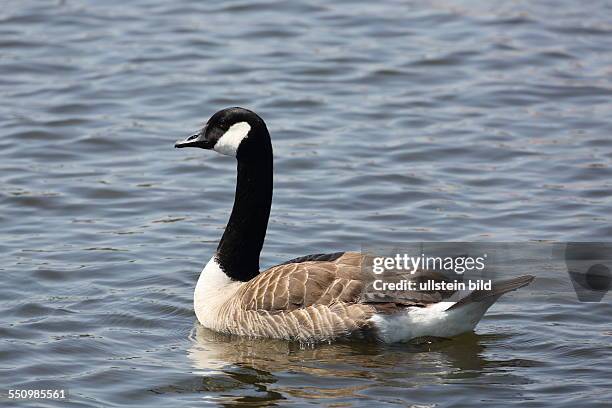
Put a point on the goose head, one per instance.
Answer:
(242, 134)
(235, 132)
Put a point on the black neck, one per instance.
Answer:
(238, 251)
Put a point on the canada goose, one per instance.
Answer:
(313, 298)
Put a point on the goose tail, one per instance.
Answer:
(497, 289)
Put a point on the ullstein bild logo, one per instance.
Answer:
(580, 268)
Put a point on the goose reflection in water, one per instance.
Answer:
(273, 368)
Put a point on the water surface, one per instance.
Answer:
(391, 122)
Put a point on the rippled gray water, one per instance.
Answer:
(391, 121)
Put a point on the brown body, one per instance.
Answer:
(306, 301)
(317, 298)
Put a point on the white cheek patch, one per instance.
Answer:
(229, 142)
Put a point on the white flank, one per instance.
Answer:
(213, 289)
(430, 321)
(229, 142)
